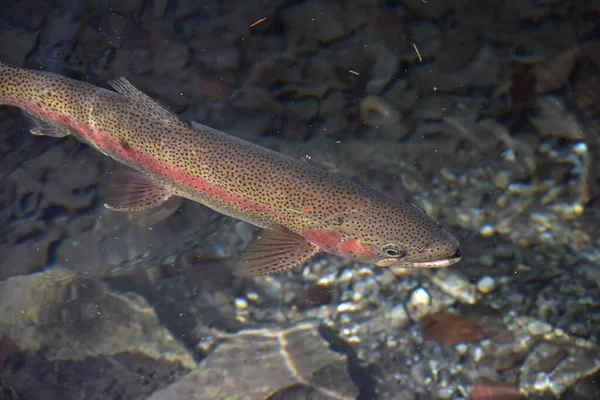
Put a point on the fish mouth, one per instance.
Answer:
(439, 263)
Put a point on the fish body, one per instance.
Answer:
(303, 208)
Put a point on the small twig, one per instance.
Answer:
(418, 54)
(353, 72)
(258, 22)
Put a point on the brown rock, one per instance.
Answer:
(486, 389)
(257, 364)
(450, 329)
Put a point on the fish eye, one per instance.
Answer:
(393, 250)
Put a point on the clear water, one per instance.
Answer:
(483, 113)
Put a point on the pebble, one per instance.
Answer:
(455, 285)
(241, 304)
(421, 373)
(420, 297)
(398, 317)
(486, 285)
(539, 328)
(419, 304)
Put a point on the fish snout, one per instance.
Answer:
(456, 255)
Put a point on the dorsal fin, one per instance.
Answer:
(144, 103)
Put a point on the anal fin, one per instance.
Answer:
(276, 250)
(132, 191)
(40, 127)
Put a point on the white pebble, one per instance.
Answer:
(486, 285)
(241, 304)
(420, 297)
(539, 328)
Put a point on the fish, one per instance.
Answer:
(302, 208)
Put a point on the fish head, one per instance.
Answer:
(389, 233)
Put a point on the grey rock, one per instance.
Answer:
(66, 317)
(274, 360)
(21, 42)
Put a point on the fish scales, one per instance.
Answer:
(318, 209)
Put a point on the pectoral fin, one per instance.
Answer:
(40, 127)
(276, 250)
(132, 191)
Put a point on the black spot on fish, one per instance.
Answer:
(126, 146)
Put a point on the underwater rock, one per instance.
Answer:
(124, 375)
(384, 68)
(375, 112)
(302, 109)
(21, 42)
(486, 389)
(313, 19)
(425, 35)
(419, 304)
(116, 242)
(555, 120)
(587, 92)
(435, 107)
(51, 190)
(170, 61)
(225, 57)
(554, 74)
(455, 285)
(482, 72)
(458, 47)
(8, 349)
(390, 29)
(403, 95)
(486, 285)
(553, 361)
(317, 295)
(133, 7)
(273, 361)
(209, 274)
(450, 329)
(430, 10)
(65, 317)
(522, 91)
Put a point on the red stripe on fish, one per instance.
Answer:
(325, 239)
(142, 157)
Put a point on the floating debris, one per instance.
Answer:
(417, 51)
(258, 22)
(450, 329)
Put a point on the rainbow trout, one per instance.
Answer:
(303, 208)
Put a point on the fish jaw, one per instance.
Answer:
(439, 263)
